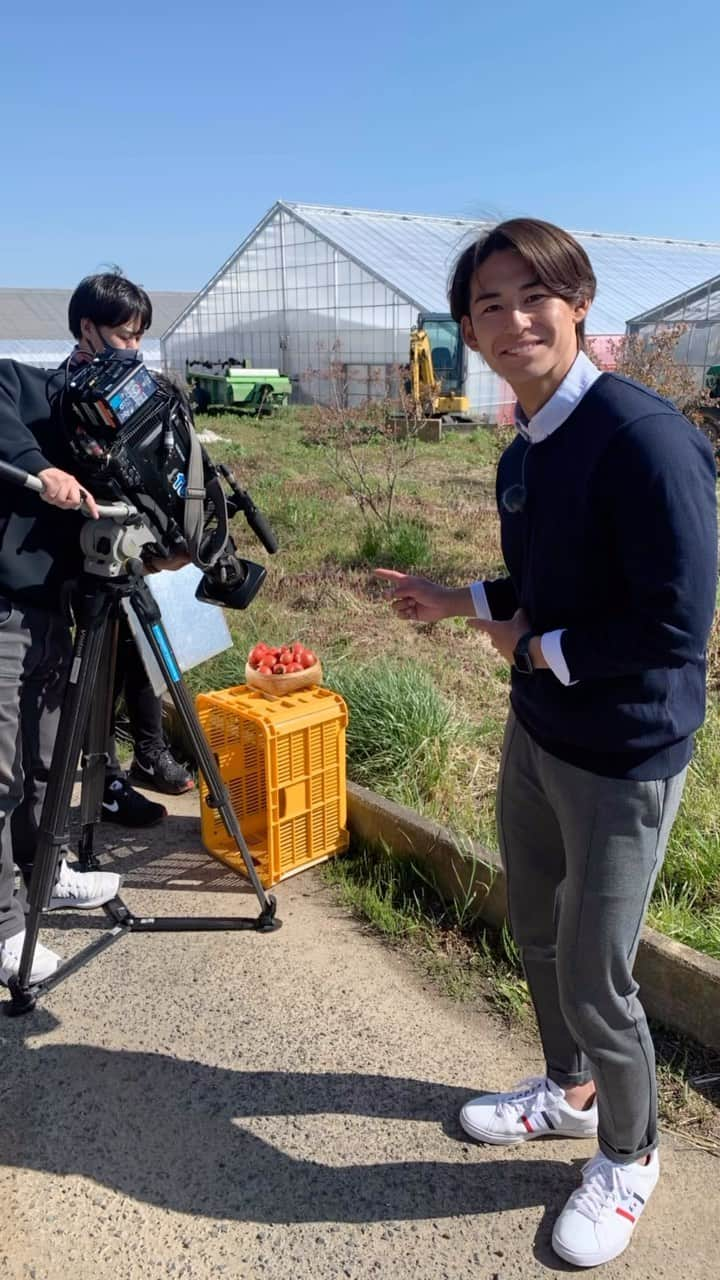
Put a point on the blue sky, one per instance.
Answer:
(155, 136)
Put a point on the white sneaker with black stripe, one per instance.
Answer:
(599, 1218)
(535, 1108)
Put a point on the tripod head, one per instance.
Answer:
(108, 544)
(121, 534)
(113, 546)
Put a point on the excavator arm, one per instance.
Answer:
(424, 386)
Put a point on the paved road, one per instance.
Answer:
(230, 1105)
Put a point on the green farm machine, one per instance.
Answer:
(230, 386)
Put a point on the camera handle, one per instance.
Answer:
(112, 510)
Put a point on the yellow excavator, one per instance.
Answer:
(436, 370)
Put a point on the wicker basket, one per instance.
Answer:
(280, 685)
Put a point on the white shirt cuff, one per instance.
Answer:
(554, 656)
(480, 601)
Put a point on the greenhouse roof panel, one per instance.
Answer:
(48, 353)
(414, 254)
(43, 313)
(699, 303)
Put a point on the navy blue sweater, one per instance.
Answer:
(39, 544)
(617, 544)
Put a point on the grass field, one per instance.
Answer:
(427, 702)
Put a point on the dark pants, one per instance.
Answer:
(142, 703)
(35, 649)
(581, 854)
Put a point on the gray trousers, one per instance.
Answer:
(581, 854)
(35, 651)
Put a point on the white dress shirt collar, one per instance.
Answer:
(579, 378)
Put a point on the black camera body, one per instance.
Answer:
(130, 441)
(132, 437)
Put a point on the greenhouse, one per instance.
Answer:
(34, 325)
(698, 312)
(319, 293)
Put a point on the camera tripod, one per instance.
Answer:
(113, 572)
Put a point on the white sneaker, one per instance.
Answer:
(45, 962)
(599, 1218)
(83, 888)
(536, 1108)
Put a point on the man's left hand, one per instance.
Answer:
(504, 636)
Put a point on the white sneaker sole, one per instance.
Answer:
(74, 904)
(67, 904)
(37, 976)
(497, 1139)
(590, 1259)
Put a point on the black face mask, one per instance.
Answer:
(128, 354)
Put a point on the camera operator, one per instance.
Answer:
(39, 559)
(109, 312)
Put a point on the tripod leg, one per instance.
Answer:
(93, 614)
(150, 619)
(95, 754)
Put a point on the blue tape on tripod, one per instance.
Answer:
(167, 653)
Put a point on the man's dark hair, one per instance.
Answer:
(554, 257)
(108, 299)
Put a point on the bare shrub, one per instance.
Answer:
(370, 443)
(652, 361)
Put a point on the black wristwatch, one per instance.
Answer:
(521, 655)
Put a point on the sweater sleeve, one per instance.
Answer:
(658, 480)
(18, 445)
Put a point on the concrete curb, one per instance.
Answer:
(679, 987)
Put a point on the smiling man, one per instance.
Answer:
(607, 508)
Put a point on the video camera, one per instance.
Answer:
(132, 436)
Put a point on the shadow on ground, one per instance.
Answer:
(168, 856)
(170, 1133)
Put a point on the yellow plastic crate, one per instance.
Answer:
(283, 763)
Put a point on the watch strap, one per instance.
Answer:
(521, 654)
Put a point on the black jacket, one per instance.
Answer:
(39, 544)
